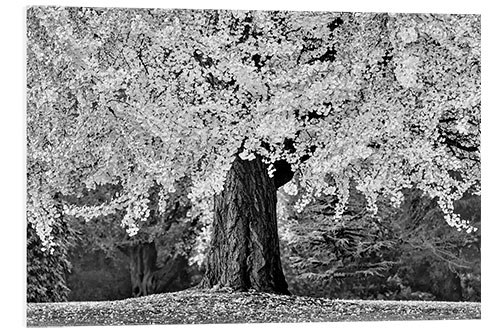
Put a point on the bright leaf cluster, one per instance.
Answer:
(148, 96)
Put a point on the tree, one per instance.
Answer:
(401, 253)
(47, 270)
(157, 255)
(241, 102)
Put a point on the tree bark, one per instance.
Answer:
(142, 260)
(148, 279)
(244, 251)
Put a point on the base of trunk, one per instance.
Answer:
(244, 252)
(142, 259)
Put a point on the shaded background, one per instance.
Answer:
(406, 253)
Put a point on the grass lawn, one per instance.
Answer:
(208, 307)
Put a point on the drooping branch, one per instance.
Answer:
(456, 144)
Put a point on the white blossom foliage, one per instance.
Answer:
(136, 96)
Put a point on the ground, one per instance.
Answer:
(222, 306)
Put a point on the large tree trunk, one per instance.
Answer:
(244, 251)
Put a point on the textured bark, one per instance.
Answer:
(148, 279)
(244, 251)
(142, 259)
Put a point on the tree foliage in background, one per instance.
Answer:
(104, 233)
(239, 102)
(436, 259)
(402, 253)
(47, 270)
(157, 254)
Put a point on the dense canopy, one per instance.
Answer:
(141, 97)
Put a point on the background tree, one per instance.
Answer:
(47, 269)
(401, 253)
(158, 254)
(240, 101)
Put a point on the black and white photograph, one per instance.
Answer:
(218, 165)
